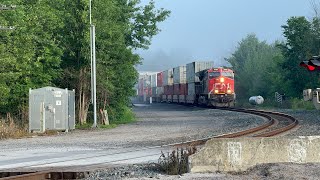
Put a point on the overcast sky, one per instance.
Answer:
(211, 29)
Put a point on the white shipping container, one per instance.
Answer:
(154, 80)
(179, 75)
(160, 91)
(147, 81)
(194, 67)
(191, 89)
(168, 77)
(154, 91)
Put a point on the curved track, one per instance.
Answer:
(268, 129)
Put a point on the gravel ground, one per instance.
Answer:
(157, 125)
(264, 171)
(309, 125)
(167, 123)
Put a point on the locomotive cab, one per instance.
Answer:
(217, 87)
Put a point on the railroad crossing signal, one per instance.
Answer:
(312, 64)
(278, 97)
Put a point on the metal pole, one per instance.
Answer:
(90, 11)
(91, 60)
(94, 70)
(93, 66)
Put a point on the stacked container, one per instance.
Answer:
(168, 84)
(179, 80)
(179, 75)
(159, 86)
(153, 80)
(193, 80)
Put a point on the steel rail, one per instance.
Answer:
(293, 123)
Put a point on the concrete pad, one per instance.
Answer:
(239, 154)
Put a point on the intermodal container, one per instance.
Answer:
(147, 81)
(175, 98)
(169, 98)
(140, 87)
(160, 79)
(179, 75)
(194, 88)
(182, 99)
(183, 89)
(168, 90)
(160, 91)
(154, 91)
(168, 77)
(153, 79)
(194, 67)
(176, 89)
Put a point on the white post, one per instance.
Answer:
(93, 67)
(94, 76)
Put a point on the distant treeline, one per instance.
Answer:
(50, 47)
(263, 69)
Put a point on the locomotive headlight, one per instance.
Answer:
(229, 91)
(216, 91)
(221, 80)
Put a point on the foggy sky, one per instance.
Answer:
(211, 29)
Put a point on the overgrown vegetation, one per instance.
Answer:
(9, 129)
(176, 162)
(50, 47)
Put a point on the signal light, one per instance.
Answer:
(312, 64)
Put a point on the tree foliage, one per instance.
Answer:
(263, 69)
(50, 46)
(255, 64)
(302, 42)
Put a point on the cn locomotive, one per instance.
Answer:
(196, 83)
(216, 87)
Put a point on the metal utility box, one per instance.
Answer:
(316, 98)
(51, 108)
(307, 95)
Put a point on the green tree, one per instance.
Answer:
(255, 66)
(302, 42)
(29, 55)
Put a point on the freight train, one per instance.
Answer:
(196, 83)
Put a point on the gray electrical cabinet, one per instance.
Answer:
(51, 108)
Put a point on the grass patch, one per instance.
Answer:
(11, 131)
(294, 103)
(127, 117)
(84, 126)
(108, 126)
(301, 104)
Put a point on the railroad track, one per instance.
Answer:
(276, 123)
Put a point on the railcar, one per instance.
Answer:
(216, 88)
(196, 83)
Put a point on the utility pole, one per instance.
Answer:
(7, 8)
(93, 67)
